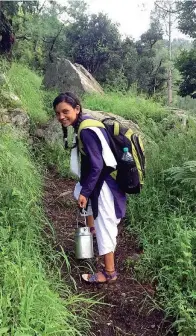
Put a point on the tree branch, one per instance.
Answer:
(41, 7)
(44, 39)
(166, 10)
(53, 43)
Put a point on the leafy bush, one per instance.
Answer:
(185, 175)
(30, 301)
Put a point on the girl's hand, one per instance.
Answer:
(82, 201)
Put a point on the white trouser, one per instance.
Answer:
(106, 221)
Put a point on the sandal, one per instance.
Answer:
(93, 278)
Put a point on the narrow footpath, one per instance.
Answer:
(130, 305)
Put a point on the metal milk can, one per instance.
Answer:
(83, 241)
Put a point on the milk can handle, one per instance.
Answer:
(82, 212)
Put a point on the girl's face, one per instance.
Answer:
(66, 114)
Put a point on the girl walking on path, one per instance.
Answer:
(97, 190)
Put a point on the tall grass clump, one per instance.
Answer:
(163, 216)
(129, 106)
(56, 157)
(26, 84)
(186, 103)
(33, 300)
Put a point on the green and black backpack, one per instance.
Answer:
(120, 137)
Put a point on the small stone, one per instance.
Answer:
(153, 326)
(135, 257)
(39, 133)
(3, 79)
(65, 193)
(14, 97)
(30, 141)
(123, 294)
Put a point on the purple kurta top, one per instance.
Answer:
(93, 150)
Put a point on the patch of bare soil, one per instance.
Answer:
(130, 306)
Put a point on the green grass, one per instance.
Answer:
(27, 86)
(56, 157)
(186, 103)
(53, 155)
(163, 216)
(33, 298)
(135, 108)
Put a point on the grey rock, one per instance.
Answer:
(16, 117)
(183, 117)
(3, 79)
(39, 133)
(9, 99)
(30, 141)
(52, 131)
(65, 193)
(65, 76)
(135, 257)
(100, 115)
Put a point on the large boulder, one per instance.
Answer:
(52, 131)
(100, 115)
(65, 76)
(16, 117)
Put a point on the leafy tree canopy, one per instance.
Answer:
(187, 17)
(186, 64)
(91, 40)
(53, 30)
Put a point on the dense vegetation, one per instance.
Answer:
(34, 299)
(49, 30)
(30, 291)
(163, 216)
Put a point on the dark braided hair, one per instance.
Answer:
(73, 100)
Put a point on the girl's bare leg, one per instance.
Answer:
(90, 221)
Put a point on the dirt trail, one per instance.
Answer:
(130, 308)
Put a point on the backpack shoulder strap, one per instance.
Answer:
(116, 128)
(116, 124)
(85, 124)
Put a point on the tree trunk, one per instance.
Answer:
(170, 61)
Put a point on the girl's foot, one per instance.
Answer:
(100, 277)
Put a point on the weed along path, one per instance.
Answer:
(129, 308)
